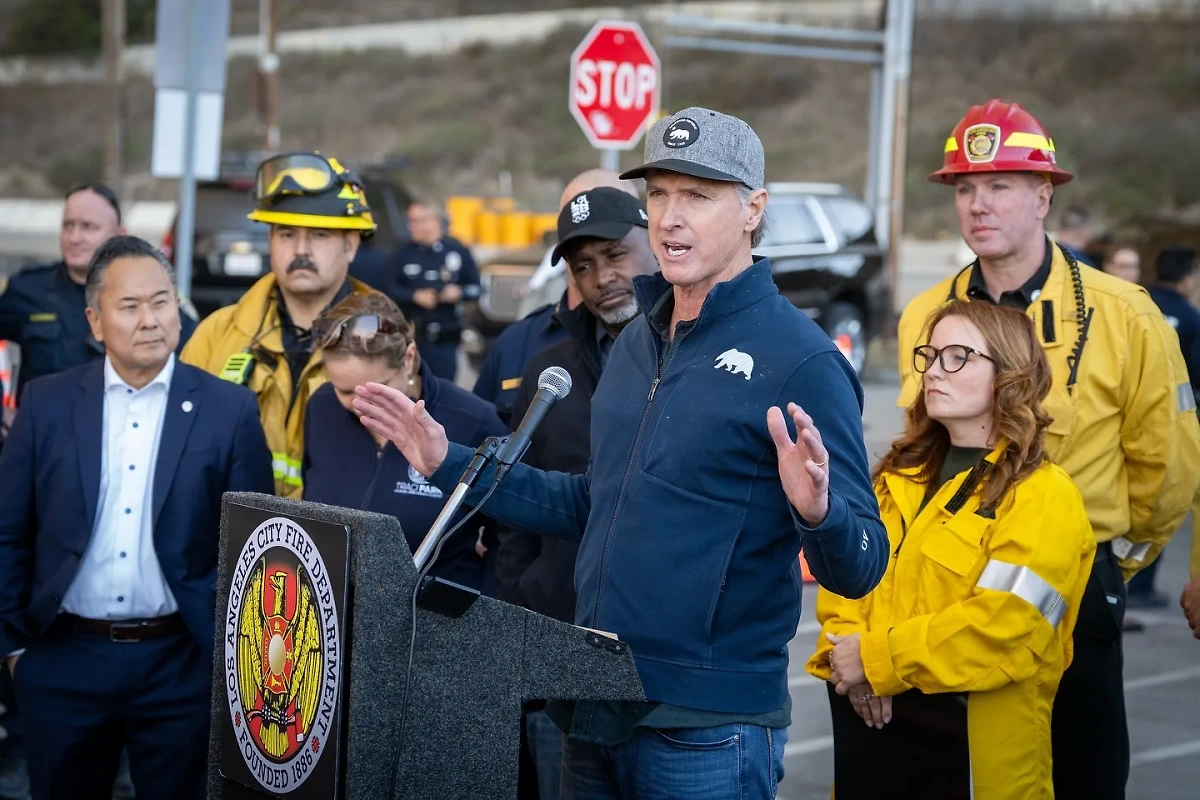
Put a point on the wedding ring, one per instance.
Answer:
(823, 463)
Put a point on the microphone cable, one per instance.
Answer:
(412, 641)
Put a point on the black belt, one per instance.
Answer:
(123, 630)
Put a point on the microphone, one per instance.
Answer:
(553, 385)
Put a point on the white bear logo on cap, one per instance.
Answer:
(681, 133)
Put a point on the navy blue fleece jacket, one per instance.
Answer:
(689, 544)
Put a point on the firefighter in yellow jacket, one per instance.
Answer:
(1124, 426)
(318, 214)
(954, 659)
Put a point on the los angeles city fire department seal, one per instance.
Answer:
(282, 655)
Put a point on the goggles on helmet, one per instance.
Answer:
(299, 173)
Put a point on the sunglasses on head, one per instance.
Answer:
(361, 327)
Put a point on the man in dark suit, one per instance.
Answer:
(113, 475)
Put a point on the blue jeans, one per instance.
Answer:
(546, 746)
(730, 762)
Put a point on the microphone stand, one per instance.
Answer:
(483, 455)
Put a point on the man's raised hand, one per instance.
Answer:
(803, 464)
(390, 413)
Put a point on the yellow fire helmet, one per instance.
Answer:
(308, 190)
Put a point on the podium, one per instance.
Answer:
(314, 620)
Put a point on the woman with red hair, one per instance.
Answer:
(942, 680)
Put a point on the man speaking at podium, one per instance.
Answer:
(698, 498)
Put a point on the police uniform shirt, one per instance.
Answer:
(434, 267)
(500, 376)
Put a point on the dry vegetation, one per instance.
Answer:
(1122, 101)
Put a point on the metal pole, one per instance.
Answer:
(114, 46)
(771, 49)
(187, 185)
(820, 34)
(903, 70)
(269, 66)
(887, 133)
(871, 190)
(610, 160)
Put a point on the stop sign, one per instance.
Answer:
(614, 84)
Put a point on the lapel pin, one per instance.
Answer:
(187, 406)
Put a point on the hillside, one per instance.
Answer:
(1122, 101)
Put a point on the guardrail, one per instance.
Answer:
(29, 228)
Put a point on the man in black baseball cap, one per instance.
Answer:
(602, 237)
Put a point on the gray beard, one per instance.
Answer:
(620, 316)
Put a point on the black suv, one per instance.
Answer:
(230, 252)
(826, 261)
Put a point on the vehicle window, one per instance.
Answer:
(225, 209)
(850, 218)
(789, 222)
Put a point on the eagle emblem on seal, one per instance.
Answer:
(280, 657)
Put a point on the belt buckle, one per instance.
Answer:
(116, 627)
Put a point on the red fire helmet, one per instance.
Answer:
(999, 137)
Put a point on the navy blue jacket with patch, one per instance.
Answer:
(344, 467)
(689, 546)
(502, 370)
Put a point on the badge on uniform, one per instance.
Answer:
(453, 262)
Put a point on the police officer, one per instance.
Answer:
(500, 376)
(432, 275)
(43, 307)
(318, 214)
(1124, 426)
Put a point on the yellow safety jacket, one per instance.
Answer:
(252, 327)
(1124, 427)
(976, 602)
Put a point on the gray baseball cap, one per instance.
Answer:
(706, 144)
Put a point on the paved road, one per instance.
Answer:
(1162, 677)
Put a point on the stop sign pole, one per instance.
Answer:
(614, 87)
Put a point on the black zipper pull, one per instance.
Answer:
(903, 536)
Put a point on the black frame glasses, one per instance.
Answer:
(363, 327)
(924, 356)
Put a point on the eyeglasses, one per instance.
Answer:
(298, 173)
(362, 327)
(953, 357)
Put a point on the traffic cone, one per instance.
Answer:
(805, 573)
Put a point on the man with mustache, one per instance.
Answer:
(318, 215)
(602, 235)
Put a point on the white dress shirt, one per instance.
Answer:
(119, 576)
